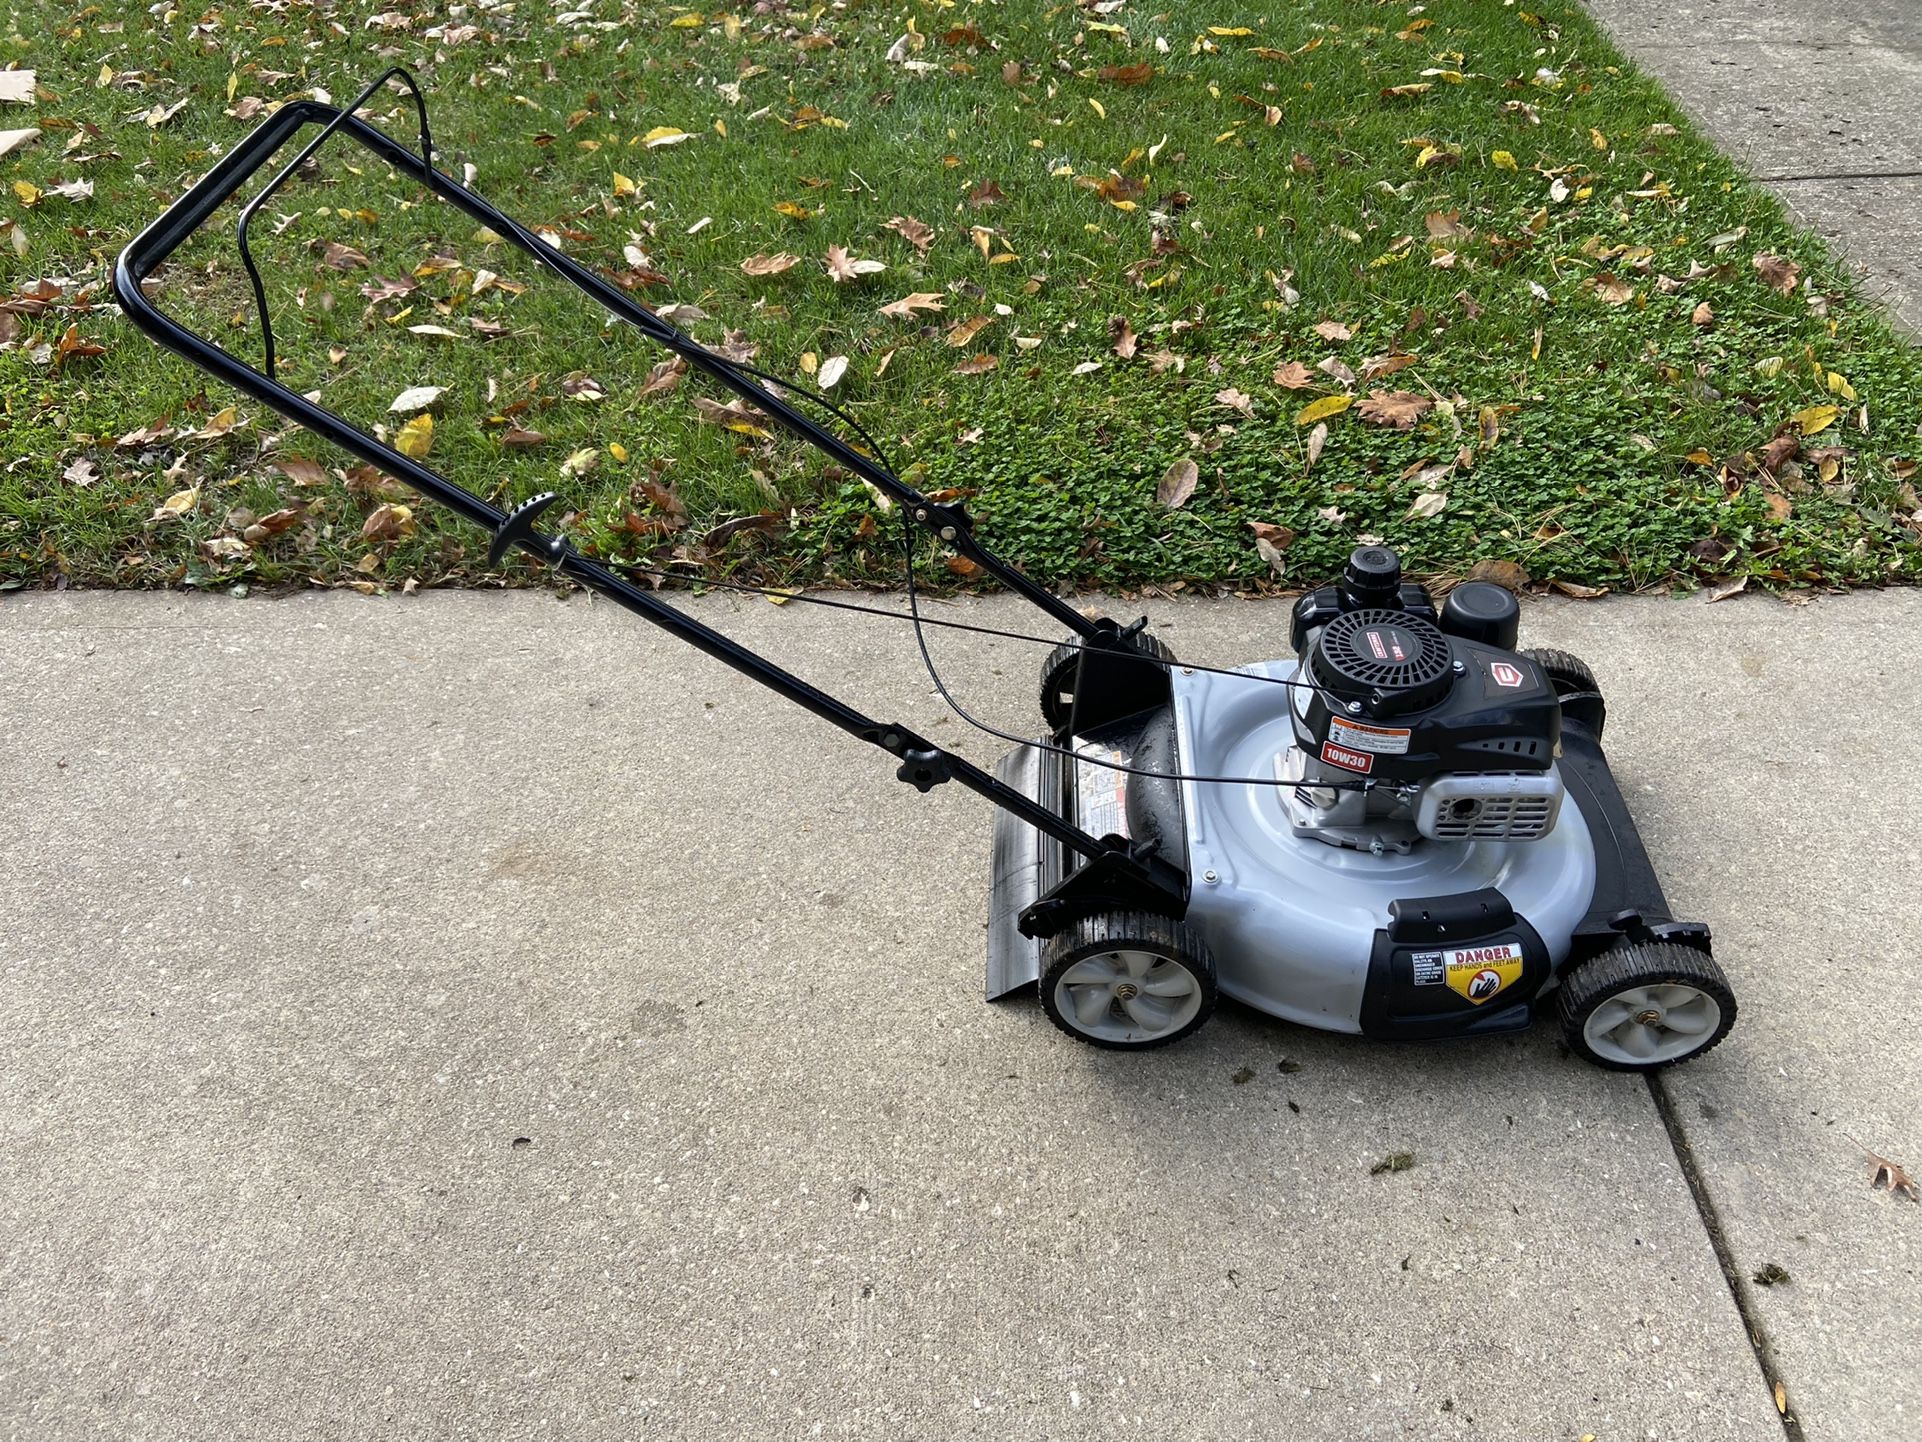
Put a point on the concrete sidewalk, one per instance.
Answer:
(478, 1016)
(1819, 101)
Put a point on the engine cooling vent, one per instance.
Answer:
(1395, 661)
(1520, 807)
(1526, 748)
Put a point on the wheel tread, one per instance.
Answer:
(1587, 985)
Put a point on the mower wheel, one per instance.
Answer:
(1127, 980)
(1566, 673)
(1058, 673)
(1645, 1005)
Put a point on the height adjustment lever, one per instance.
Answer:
(519, 527)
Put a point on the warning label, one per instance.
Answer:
(1428, 968)
(1481, 973)
(1382, 740)
(1348, 760)
(1100, 792)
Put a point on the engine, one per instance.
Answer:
(1417, 723)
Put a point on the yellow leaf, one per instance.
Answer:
(1322, 409)
(686, 22)
(720, 128)
(28, 194)
(1117, 204)
(1597, 139)
(1770, 366)
(1229, 31)
(1503, 160)
(664, 135)
(624, 185)
(1815, 418)
(233, 84)
(617, 450)
(791, 210)
(415, 437)
(1839, 384)
(1781, 1399)
(1097, 107)
(180, 502)
(104, 78)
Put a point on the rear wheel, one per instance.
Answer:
(1128, 980)
(1570, 676)
(1058, 676)
(1645, 1006)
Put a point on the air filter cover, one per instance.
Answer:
(1390, 661)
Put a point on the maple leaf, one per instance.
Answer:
(986, 193)
(1178, 483)
(916, 233)
(1293, 376)
(761, 265)
(1400, 409)
(907, 305)
(1446, 225)
(844, 267)
(1778, 274)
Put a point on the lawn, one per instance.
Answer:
(1207, 293)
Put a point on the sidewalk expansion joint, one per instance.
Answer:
(1840, 175)
(1724, 1254)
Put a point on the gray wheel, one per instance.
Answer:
(1644, 1006)
(1128, 980)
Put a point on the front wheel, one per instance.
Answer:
(1128, 980)
(1645, 1006)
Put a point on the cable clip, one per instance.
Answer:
(518, 529)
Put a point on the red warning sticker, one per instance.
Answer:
(1504, 674)
(1349, 760)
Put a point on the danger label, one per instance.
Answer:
(1101, 792)
(1482, 973)
(1347, 759)
(1382, 740)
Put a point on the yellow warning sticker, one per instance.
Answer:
(1481, 973)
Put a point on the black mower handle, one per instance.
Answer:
(923, 764)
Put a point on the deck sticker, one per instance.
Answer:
(1481, 973)
(1427, 967)
(1346, 759)
(1382, 740)
(1101, 792)
(1506, 675)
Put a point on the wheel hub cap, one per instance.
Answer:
(1128, 996)
(1662, 1021)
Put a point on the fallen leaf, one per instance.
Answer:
(664, 135)
(1393, 1162)
(1446, 225)
(1317, 440)
(82, 472)
(518, 439)
(1270, 541)
(1579, 591)
(417, 398)
(1137, 74)
(1613, 290)
(222, 423)
(1506, 574)
(1236, 401)
(1815, 419)
(388, 522)
(1386, 364)
(832, 369)
(916, 233)
(1332, 330)
(761, 265)
(904, 308)
(178, 504)
(273, 524)
(1334, 366)
(1400, 409)
(978, 364)
(1885, 1173)
(964, 331)
(1123, 336)
(1703, 315)
(416, 437)
(1725, 589)
(16, 86)
(1778, 273)
(301, 471)
(1772, 1274)
(844, 267)
(1293, 376)
(985, 194)
(1781, 1399)
(1322, 409)
(1178, 483)
(341, 257)
(1428, 505)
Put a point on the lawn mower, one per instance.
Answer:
(1405, 828)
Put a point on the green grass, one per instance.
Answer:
(1595, 444)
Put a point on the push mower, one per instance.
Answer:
(1405, 828)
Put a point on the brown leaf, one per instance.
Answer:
(1446, 225)
(1725, 589)
(904, 308)
(978, 364)
(1579, 591)
(1270, 541)
(1332, 330)
(1293, 376)
(273, 523)
(1139, 74)
(663, 377)
(664, 499)
(1333, 366)
(760, 265)
(1612, 289)
(1502, 573)
(1400, 409)
(1317, 441)
(1885, 1173)
(1236, 401)
(341, 257)
(736, 415)
(1178, 483)
(963, 567)
(301, 471)
(964, 331)
(1386, 364)
(388, 522)
(1778, 274)
(985, 194)
(1703, 315)
(515, 438)
(916, 233)
(1123, 336)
